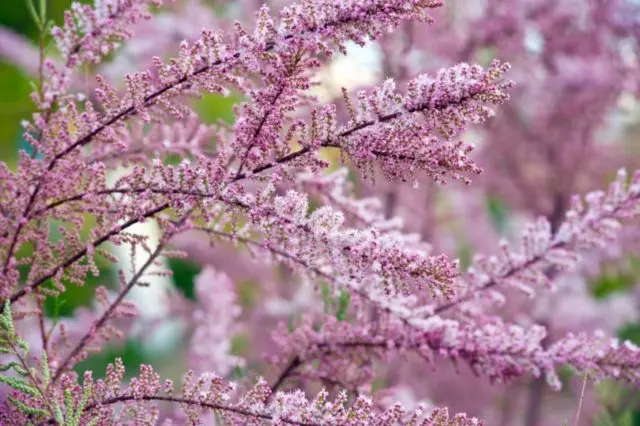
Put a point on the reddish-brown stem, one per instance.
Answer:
(556, 221)
(289, 369)
(179, 400)
(287, 158)
(129, 111)
(97, 325)
(74, 51)
(335, 141)
(148, 101)
(80, 254)
(47, 117)
(495, 281)
(282, 86)
(43, 332)
(324, 275)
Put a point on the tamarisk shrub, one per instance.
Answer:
(264, 186)
(536, 154)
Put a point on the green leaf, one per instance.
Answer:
(46, 374)
(68, 403)
(343, 305)
(607, 284)
(32, 411)
(236, 374)
(603, 419)
(93, 421)
(239, 344)
(184, 274)
(131, 354)
(248, 293)
(616, 279)
(20, 384)
(377, 384)
(58, 412)
(74, 296)
(15, 365)
(58, 303)
(20, 20)
(34, 14)
(15, 106)
(498, 213)
(625, 418)
(43, 11)
(6, 321)
(214, 107)
(325, 290)
(465, 255)
(631, 332)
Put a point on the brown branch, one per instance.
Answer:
(47, 117)
(495, 281)
(202, 404)
(334, 142)
(148, 101)
(106, 316)
(73, 51)
(555, 221)
(291, 367)
(326, 276)
(112, 191)
(80, 254)
(283, 84)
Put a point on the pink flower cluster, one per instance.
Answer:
(103, 172)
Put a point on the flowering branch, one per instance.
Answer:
(76, 353)
(99, 166)
(209, 392)
(593, 227)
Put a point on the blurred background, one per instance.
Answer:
(573, 121)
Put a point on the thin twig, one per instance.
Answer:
(80, 254)
(584, 387)
(199, 403)
(291, 367)
(106, 316)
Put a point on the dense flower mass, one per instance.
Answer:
(128, 180)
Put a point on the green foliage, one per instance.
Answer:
(248, 293)
(293, 321)
(20, 384)
(44, 366)
(239, 344)
(184, 274)
(630, 332)
(131, 354)
(338, 304)
(20, 15)
(343, 305)
(76, 296)
(39, 16)
(325, 290)
(25, 381)
(10, 342)
(32, 411)
(616, 278)
(618, 405)
(15, 106)
(212, 107)
(465, 255)
(498, 213)
(73, 296)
